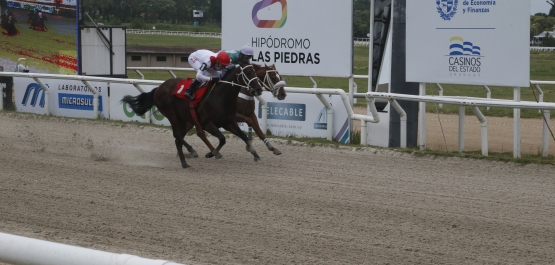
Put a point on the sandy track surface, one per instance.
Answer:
(120, 188)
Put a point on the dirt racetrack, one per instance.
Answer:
(120, 188)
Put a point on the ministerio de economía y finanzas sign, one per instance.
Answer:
(468, 42)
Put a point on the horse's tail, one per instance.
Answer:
(140, 104)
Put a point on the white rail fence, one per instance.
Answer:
(544, 49)
(138, 82)
(371, 98)
(463, 102)
(473, 103)
(175, 33)
(29, 251)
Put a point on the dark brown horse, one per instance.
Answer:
(271, 80)
(216, 110)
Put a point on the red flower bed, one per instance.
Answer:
(60, 60)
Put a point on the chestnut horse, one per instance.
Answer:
(271, 80)
(216, 110)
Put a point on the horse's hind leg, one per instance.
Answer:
(234, 128)
(192, 152)
(178, 133)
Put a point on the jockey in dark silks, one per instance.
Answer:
(244, 55)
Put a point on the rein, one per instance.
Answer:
(244, 78)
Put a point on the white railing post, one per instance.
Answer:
(484, 129)
(488, 94)
(516, 120)
(46, 95)
(422, 119)
(403, 119)
(545, 133)
(1, 97)
(461, 128)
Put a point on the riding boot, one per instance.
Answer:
(190, 93)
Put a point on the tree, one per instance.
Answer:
(548, 42)
(361, 23)
(215, 11)
(552, 10)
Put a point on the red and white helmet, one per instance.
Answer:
(223, 58)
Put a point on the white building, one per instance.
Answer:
(537, 40)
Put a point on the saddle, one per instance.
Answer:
(183, 85)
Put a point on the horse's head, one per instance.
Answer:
(246, 76)
(271, 80)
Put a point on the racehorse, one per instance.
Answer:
(217, 109)
(271, 80)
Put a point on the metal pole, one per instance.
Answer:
(545, 134)
(461, 128)
(516, 118)
(422, 120)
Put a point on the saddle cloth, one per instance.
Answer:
(185, 84)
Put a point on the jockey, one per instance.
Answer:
(241, 56)
(209, 66)
(244, 55)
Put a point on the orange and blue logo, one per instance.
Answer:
(269, 23)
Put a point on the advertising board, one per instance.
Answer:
(309, 37)
(304, 115)
(468, 42)
(67, 98)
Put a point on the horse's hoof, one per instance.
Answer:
(219, 156)
(194, 154)
(277, 152)
(185, 165)
(257, 159)
(209, 155)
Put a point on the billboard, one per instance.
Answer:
(43, 32)
(468, 42)
(304, 115)
(308, 37)
(67, 98)
(122, 112)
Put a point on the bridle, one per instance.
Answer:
(242, 77)
(269, 85)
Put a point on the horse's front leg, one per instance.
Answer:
(254, 124)
(234, 128)
(215, 131)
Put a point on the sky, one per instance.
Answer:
(539, 6)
